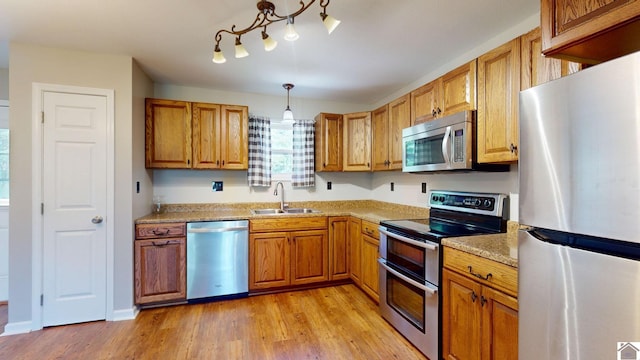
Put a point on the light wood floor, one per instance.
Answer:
(329, 323)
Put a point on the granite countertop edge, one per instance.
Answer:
(502, 248)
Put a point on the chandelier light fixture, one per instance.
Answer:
(267, 15)
(287, 117)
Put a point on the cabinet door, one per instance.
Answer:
(424, 101)
(269, 259)
(498, 90)
(168, 134)
(499, 325)
(234, 131)
(537, 69)
(355, 246)
(329, 142)
(160, 270)
(206, 132)
(458, 90)
(399, 118)
(369, 260)
(339, 248)
(310, 257)
(380, 138)
(357, 142)
(461, 317)
(590, 31)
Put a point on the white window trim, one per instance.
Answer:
(5, 202)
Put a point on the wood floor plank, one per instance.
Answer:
(337, 322)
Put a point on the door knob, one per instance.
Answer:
(97, 219)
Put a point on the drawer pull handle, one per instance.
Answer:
(158, 232)
(478, 275)
(161, 245)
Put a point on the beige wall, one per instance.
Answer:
(4, 84)
(31, 64)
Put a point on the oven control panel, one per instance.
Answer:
(483, 203)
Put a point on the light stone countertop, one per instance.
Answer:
(502, 248)
(370, 210)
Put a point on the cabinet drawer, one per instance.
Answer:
(149, 231)
(288, 224)
(488, 272)
(370, 229)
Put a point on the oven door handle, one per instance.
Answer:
(429, 289)
(421, 244)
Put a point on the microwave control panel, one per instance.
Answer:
(458, 146)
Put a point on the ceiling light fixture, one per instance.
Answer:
(287, 117)
(266, 16)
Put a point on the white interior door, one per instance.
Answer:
(74, 208)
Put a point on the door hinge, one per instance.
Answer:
(41, 299)
(41, 208)
(42, 116)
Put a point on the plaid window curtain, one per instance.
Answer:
(303, 154)
(259, 172)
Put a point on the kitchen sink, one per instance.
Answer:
(266, 211)
(300, 211)
(285, 211)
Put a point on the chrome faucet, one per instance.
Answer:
(275, 192)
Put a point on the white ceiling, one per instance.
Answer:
(380, 46)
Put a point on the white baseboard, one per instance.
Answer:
(125, 314)
(16, 328)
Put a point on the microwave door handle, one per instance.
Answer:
(424, 245)
(446, 146)
(423, 287)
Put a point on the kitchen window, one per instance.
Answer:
(281, 151)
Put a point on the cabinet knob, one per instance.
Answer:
(513, 148)
(473, 296)
(433, 112)
(439, 111)
(483, 300)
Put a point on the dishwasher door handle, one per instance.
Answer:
(217, 230)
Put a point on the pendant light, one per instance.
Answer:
(287, 117)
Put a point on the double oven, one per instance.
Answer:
(410, 260)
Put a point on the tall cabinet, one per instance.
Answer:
(387, 123)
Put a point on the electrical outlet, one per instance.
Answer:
(137, 187)
(424, 188)
(216, 186)
(328, 185)
(392, 186)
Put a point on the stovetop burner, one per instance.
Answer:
(455, 214)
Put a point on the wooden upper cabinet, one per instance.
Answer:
(590, 32)
(399, 118)
(498, 91)
(234, 139)
(206, 132)
(168, 134)
(357, 141)
(380, 138)
(459, 89)
(451, 93)
(184, 135)
(424, 102)
(537, 69)
(328, 142)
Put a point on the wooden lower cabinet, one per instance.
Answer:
(369, 256)
(160, 270)
(478, 321)
(338, 247)
(355, 240)
(288, 258)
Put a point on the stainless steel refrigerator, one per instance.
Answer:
(579, 259)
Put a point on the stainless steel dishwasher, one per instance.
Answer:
(217, 259)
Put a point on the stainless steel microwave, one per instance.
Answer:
(443, 144)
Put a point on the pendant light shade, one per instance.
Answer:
(329, 22)
(287, 117)
(269, 43)
(290, 33)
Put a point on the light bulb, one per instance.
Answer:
(290, 33)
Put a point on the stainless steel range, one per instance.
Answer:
(410, 260)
